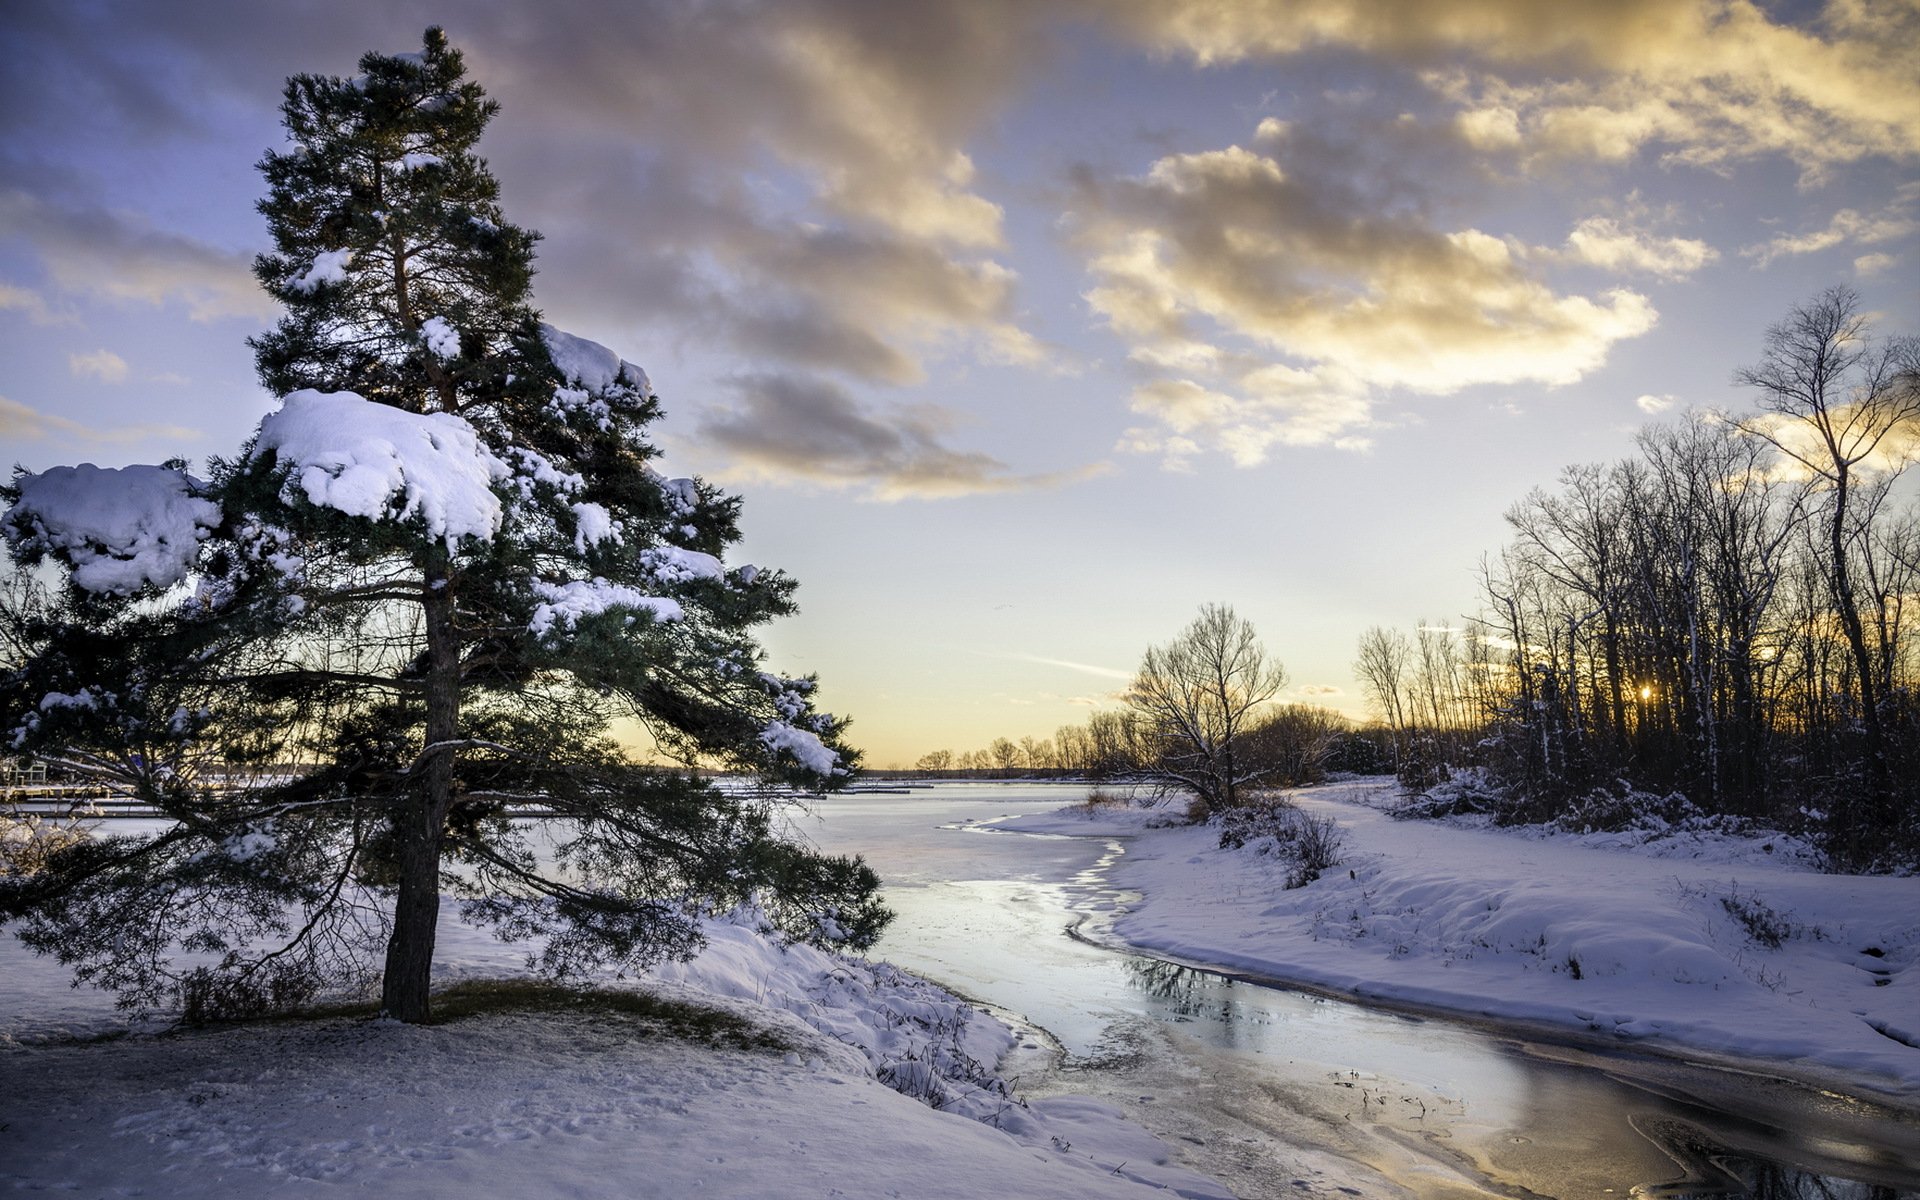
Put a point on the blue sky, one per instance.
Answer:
(1027, 328)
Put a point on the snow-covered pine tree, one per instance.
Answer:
(422, 601)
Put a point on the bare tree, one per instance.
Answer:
(1382, 670)
(1196, 696)
(1843, 405)
(1005, 755)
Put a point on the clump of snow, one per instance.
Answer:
(413, 160)
(593, 524)
(567, 604)
(807, 747)
(532, 467)
(244, 847)
(589, 364)
(84, 698)
(672, 564)
(682, 494)
(377, 461)
(120, 529)
(442, 339)
(329, 266)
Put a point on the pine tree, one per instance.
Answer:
(418, 606)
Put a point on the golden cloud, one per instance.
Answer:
(1212, 264)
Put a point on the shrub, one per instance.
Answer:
(1276, 828)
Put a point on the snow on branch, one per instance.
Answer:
(374, 460)
(807, 747)
(590, 365)
(329, 266)
(567, 604)
(675, 564)
(119, 529)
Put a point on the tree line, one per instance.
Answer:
(1727, 614)
(1198, 717)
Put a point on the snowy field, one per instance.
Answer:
(1665, 943)
(558, 1104)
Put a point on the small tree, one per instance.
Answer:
(1194, 700)
(410, 611)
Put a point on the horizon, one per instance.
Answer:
(1026, 330)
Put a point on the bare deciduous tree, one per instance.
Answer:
(1195, 698)
(1843, 404)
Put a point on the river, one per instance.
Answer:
(1279, 1092)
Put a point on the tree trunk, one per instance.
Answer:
(407, 984)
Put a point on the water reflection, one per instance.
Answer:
(1712, 1172)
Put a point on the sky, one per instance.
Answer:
(1026, 327)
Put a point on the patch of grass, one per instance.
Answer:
(1763, 926)
(493, 997)
(673, 1018)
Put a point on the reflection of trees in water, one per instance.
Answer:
(1182, 989)
(1714, 1173)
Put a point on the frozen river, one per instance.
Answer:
(1275, 1090)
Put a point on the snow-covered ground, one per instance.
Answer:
(575, 1104)
(1665, 943)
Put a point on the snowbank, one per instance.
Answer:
(1703, 950)
(584, 1106)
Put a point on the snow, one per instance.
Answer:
(673, 564)
(374, 460)
(413, 160)
(682, 494)
(588, 1105)
(121, 529)
(329, 266)
(442, 339)
(1653, 945)
(594, 524)
(567, 604)
(589, 364)
(807, 747)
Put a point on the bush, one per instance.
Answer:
(1276, 828)
(28, 841)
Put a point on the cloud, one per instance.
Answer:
(23, 421)
(802, 193)
(1274, 297)
(1708, 81)
(1083, 668)
(93, 252)
(1320, 689)
(19, 299)
(792, 427)
(103, 364)
(1653, 405)
(787, 181)
(1868, 265)
(1606, 243)
(1848, 227)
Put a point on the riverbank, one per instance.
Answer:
(1715, 948)
(759, 1074)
